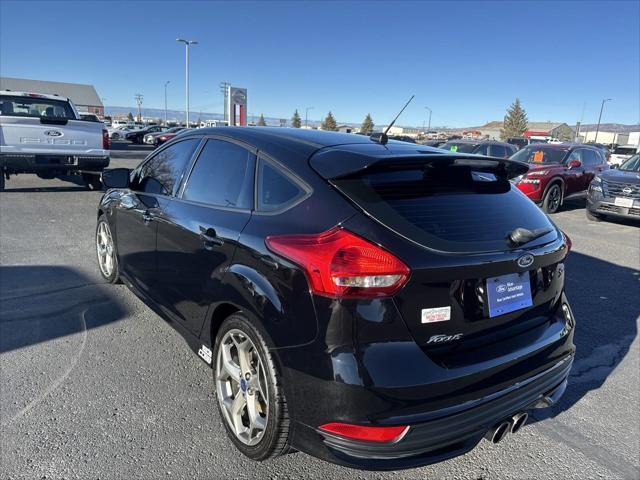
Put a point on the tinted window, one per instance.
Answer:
(499, 151)
(590, 158)
(575, 155)
(276, 189)
(222, 176)
(459, 147)
(161, 173)
(624, 151)
(482, 150)
(446, 208)
(541, 154)
(35, 107)
(631, 165)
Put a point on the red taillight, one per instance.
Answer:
(341, 264)
(105, 140)
(370, 434)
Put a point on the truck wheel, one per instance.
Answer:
(552, 199)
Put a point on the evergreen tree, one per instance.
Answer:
(295, 120)
(515, 121)
(130, 117)
(261, 121)
(329, 123)
(367, 125)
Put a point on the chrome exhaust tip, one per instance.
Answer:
(498, 432)
(518, 421)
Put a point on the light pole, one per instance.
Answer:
(306, 115)
(595, 140)
(165, 101)
(429, 127)
(187, 43)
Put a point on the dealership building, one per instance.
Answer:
(84, 97)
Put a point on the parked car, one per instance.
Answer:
(492, 148)
(377, 306)
(558, 172)
(434, 143)
(137, 136)
(150, 138)
(402, 138)
(164, 137)
(518, 142)
(119, 133)
(44, 135)
(616, 192)
(622, 153)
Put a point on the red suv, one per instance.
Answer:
(558, 171)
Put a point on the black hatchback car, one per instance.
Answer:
(377, 306)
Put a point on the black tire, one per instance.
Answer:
(552, 198)
(2, 181)
(114, 276)
(594, 217)
(274, 441)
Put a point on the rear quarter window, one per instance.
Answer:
(277, 189)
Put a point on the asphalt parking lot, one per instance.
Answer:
(93, 384)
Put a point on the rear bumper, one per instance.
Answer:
(448, 434)
(606, 206)
(448, 408)
(34, 163)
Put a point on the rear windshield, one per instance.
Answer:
(539, 154)
(631, 165)
(459, 147)
(35, 107)
(453, 209)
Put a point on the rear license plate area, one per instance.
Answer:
(508, 293)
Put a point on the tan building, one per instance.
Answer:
(604, 137)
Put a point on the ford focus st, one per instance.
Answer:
(380, 306)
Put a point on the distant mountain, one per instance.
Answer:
(610, 127)
(178, 115)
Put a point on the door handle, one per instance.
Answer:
(210, 238)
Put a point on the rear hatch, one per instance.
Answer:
(454, 215)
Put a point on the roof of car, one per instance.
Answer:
(471, 141)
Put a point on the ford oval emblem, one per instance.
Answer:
(53, 133)
(525, 260)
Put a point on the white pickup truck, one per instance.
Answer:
(44, 135)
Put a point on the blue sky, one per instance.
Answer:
(466, 60)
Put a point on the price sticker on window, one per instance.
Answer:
(454, 148)
(538, 157)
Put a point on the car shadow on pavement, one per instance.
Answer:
(42, 303)
(604, 300)
(78, 185)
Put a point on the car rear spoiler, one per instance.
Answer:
(338, 163)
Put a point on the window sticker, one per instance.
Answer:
(454, 148)
(538, 157)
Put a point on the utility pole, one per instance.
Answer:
(225, 91)
(165, 101)
(600, 118)
(187, 44)
(429, 127)
(139, 98)
(306, 115)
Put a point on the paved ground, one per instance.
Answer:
(95, 385)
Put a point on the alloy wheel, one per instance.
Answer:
(242, 387)
(554, 198)
(104, 247)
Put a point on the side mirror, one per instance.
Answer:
(116, 178)
(575, 164)
(614, 166)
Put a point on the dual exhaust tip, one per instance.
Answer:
(513, 425)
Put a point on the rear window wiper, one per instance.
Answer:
(520, 236)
